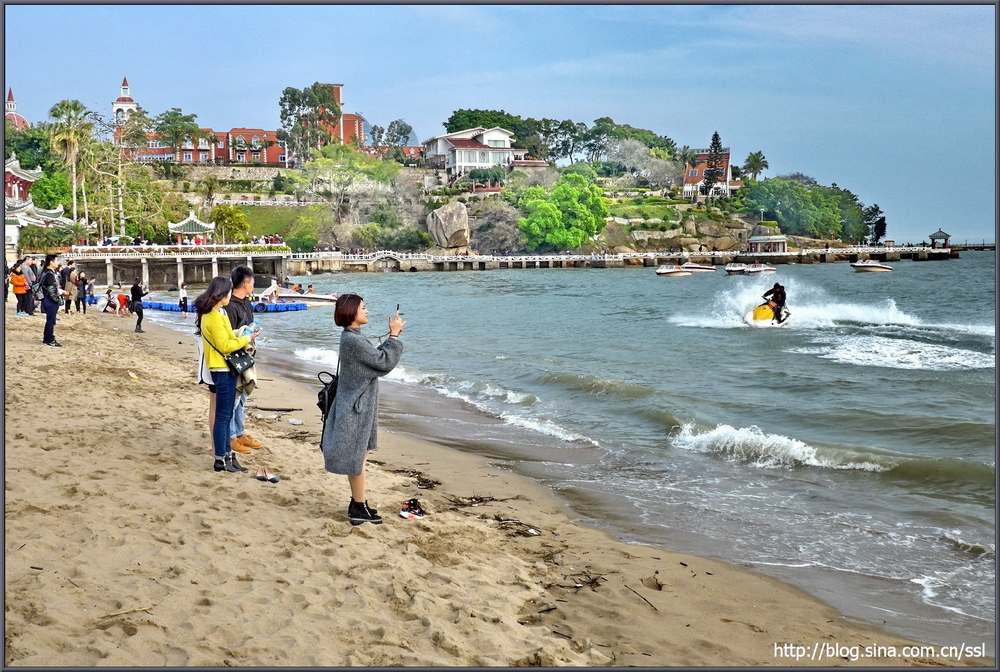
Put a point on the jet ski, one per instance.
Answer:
(763, 316)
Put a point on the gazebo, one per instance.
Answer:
(191, 226)
(19, 209)
(939, 239)
(767, 239)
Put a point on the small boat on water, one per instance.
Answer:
(697, 268)
(284, 294)
(870, 266)
(735, 269)
(672, 271)
(760, 268)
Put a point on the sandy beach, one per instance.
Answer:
(123, 547)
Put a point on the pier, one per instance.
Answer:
(164, 267)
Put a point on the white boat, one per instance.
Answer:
(285, 294)
(697, 268)
(870, 266)
(760, 268)
(735, 269)
(672, 271)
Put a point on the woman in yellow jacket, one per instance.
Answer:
(218, 339)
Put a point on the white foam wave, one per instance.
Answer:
(895, 353)
(318, 355)
(754, 446)
(545, 427)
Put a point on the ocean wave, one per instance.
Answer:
(897, 353)
(984, 551)
(596, 386)
(753, 446)
(318, 356)
(547, 427)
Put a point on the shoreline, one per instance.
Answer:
(517, 598)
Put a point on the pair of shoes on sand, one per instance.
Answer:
(244, 444)
(229, 463)
(264, 475)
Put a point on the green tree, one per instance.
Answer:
(874, 219)
(304, 234)
(33, 147)
(175, 128)
(378, 136)
(231, 223)
(398, 133)
(565, 218)
(755, 164)
(336, 169)
(713, 172)
(71, 127)
(52, 190)
(468, 118)
(307, 118)
(209, 187)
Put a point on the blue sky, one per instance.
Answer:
(895, 103)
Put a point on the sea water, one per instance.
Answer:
(851, 453)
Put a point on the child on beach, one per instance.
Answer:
(182, 298)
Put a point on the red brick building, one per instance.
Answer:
(237, 146)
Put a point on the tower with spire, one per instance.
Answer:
(11, 115)
(124, 105)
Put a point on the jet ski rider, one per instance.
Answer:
(776, 298)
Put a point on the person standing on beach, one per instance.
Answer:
(182, 298)
(351, 427)
(219, 339)
(137, 295)
(66, 281)
(51, 300)
(21, 290)
(82, 289)
(32, 275)
(240, 313)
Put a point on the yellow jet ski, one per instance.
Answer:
(763, 316)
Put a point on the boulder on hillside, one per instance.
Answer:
(690, 227)
(449, 225)
(712, 229)
(688, 242)
(722, 244)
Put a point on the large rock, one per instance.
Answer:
(690, 227)
(449, 225)
(712, 229)
(723, 244)
(687, 243)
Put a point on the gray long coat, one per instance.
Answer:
(351, 427)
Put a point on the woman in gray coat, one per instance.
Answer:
(351, 427)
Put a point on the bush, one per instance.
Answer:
(186, 187)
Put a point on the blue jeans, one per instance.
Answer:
(239, 415)
(225, 397)
(51, 308)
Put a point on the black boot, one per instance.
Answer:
(359, 513)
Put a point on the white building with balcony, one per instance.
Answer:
(471, 149)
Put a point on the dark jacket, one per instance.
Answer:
(137, 294)
(50, 285)
(777, 295)
(240, 312)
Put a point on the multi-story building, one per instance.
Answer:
(469, 149)
(694, 178)
(237, 146)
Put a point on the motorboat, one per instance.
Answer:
(283, 294)
(735, 269)
(870, 266)
(672, 271)
(697, 268)
(763, 316)
(753, 269)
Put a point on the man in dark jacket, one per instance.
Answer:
(137, 295)
(51, 300)
(240, 312)
(776, 296)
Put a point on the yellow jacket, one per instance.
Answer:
(218, 332)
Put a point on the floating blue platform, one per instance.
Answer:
(258, 307)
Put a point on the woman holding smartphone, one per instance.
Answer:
(351, 428)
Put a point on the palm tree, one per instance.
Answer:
(71, 128)
(755, 164)
(687, 157)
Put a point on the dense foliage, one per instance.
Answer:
(565, 217)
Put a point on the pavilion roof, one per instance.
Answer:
(191, 224)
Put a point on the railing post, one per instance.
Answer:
(110, 268)
(145, 271)
(215, 267)
(180, 271)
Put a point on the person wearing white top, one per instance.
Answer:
(183, 299)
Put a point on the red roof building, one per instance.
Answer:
(237, 146)
(694, 178)
(11, 115)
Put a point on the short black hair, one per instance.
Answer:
(240, 274)
(346, 310)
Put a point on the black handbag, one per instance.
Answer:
(238, 362)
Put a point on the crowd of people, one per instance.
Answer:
(52, 285)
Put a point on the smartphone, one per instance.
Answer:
(397, 310)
